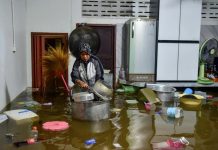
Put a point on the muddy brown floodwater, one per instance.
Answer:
(128, 127)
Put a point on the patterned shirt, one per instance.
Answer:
(88, 72)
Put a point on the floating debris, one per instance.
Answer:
(172, 143)
(9, 135)
(55, 125)
(3, 118)
(117, 145)
(131, 101)
(47, 104)
(174, 112)
(120, 90)
(21, 115)
(116, 110)
(90, 141)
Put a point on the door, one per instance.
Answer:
(190, 22)
(167, 63)
(188, 62)
(169, 19)
(40, 43)
(179, 25)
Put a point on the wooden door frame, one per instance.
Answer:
(37, 49)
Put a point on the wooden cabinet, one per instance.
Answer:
(188, 62)
(178, 40)
(179, 20)
(190, 20)
(169, 20)
(167, 64)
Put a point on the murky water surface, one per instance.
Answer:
(128, 127)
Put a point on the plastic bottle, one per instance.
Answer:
(215, 72)
(122, 74)
(33, 138)
(90, 141)
(172, 144)
(34, 133)
(175, 112)
(177, 142)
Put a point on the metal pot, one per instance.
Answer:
(83, 96)
(164, 92)
(102, 90)
(91, 110)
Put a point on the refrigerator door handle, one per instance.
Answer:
(133, 27)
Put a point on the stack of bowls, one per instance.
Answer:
(164, 92)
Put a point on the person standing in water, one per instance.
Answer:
(87, 68)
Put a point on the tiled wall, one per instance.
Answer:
(208, 31)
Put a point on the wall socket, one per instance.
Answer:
(14, 49)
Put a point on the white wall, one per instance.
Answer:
(77, 18)
(59, 16)
(36, 16)
(46, 16)
(12, 65)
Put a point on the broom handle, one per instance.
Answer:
(65, 84)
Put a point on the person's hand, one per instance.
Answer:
(82, 84)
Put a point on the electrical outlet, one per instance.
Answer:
(14, 49)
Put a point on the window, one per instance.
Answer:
(120, 8)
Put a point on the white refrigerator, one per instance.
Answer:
(140, 46)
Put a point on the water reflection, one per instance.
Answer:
(171, 120)
(90, 128)
(92, 111)
(206, 129)
(166, 127)
(117, 132)
(140, 130)
(129, 126)
(118, 120)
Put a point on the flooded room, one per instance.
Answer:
(109, 74)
